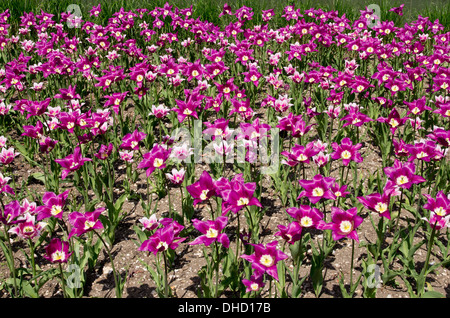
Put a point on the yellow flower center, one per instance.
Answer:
(158, 162)
(204, 194)
(402, 180)
(346, 226)
(242, 201)
(266, 260)
(306, 221)
(439, 211)
(212, 233)
(346, 154)
(56, 209)
(381, 207)
(58, 255)
(317, 192)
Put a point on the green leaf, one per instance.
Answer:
(40, 176)
(432, 294)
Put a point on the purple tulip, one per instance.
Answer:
(12, 213)
(265, 258)
(57, 251)
(439, 205)
(307, 216)
(255, 283)
(402, 174)
(211, 230)
(132, 140)
(53, 205)
(72, 162)
(203, 189)
(85, 222)
(290, 233)
(163, 239)
(344, 223)
(155, 159)
(318, 188)
(378, 203)
(346, 151)
(29, 228)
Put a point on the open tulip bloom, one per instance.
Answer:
(403, 174)
(57, 251)
(163, 239)
(344, 223)
(318, 188)
(203, 189)
(265, 258)
(72, 162)
(346, 151)
(211, 230)
(85, 222)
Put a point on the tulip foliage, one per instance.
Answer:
(339, 126)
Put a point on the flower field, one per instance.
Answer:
(152, 153)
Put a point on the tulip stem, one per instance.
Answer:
(62, 280)
(399, 209)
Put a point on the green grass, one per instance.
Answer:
(208, 10)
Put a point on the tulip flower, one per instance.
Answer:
(344, 223)
(155, 159)
(29, 228)
(378, 203)
(307, 216)
(265, 258)
(211, 230)
(163, 239)
(53, 205)
(72, 162)
(346, 151)
(203, 189)
(439, 205)
(131, 141)
(318, 188)
(402, 174)
(85, 222)
(290, 233)
(57, 251)
(177, 176)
